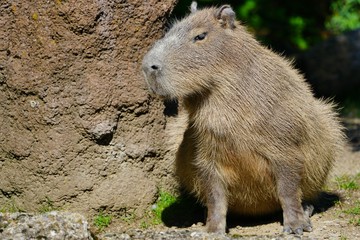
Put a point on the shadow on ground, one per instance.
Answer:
(188, 211)
(326, 200)
(185, 212)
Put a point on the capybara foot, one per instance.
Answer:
(298, 228)
(302, 224)
(213, 228)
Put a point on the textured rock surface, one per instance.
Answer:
(333, 67)
(77, 124)
(53, 225)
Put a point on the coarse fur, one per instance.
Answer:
(256, 141)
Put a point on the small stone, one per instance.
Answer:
(34, 104)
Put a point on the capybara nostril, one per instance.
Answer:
(155, 67)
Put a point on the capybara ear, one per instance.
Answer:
(226, 16)
(193, 7)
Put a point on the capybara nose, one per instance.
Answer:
(151, 69)
(155, 67)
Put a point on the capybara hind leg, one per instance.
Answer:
(295, 220)
(308, 211)
(216, 204)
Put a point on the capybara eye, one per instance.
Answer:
(200, 37)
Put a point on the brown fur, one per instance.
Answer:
(257, 141)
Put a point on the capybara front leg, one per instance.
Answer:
(295, 220)
(216, 204)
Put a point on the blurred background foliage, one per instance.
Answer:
(289, 26)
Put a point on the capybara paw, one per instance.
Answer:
(215, 228)
(298, 229)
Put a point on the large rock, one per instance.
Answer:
(53, 225)
(333, 67)
(77, 125)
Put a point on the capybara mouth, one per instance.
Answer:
(154, 86)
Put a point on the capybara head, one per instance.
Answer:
(185, 61)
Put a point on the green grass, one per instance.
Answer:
(174, 210)
(355, 221)
(144, 225)
(355, 213)
(355, 210)
(155, 216)
(47, 206)
(348, 182)
(10, 207)
(127, 215)
(164, 200)
(101, 221)
(352, 185)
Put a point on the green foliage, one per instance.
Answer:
(351, 106)
(298, 25)
(285, 25)
(102, 221)
(346, 16)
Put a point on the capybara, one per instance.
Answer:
(257, 140)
